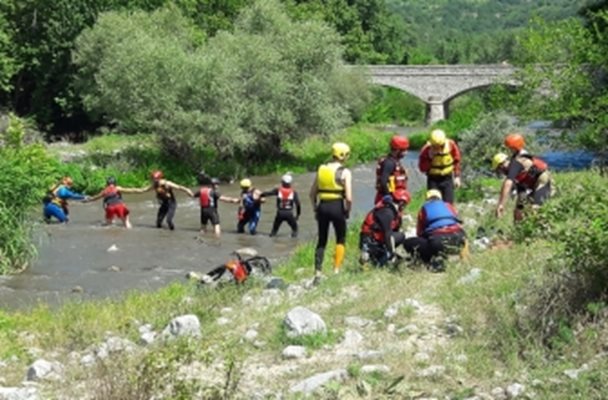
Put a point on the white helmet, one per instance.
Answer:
(287, 179)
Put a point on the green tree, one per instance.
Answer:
(241, 93)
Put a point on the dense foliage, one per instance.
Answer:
(241, 94)
(466, 31)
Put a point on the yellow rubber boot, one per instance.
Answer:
(339, 257)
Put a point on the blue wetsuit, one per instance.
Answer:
(56, 205)
(249, 213)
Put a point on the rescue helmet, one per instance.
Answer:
(498, 159)
(156, 175)
(438, 137)
(400, 143)
(245, 183)
(340, 151)
(111, 180)
(401, 196)
(515, 141)
(67, 181)
(433, 194)
(287, 179)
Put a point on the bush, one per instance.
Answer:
(26, 171)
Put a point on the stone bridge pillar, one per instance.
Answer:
(435, 110)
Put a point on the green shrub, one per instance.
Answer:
(394, 106)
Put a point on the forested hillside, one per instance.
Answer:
(472, 31)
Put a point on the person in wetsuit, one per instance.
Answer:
(331, 196)
(55, 202)
(113, 203)
(287, 202)
(166, 198)
(390, 173)
(209, 197)
(250, 210)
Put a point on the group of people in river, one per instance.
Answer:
(439, 230)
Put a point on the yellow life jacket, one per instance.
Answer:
(442, 162)
(329, 181)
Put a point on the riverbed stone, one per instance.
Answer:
(301, 321)
(310, 385)
(294, 352)
(42, 369)
(184, 325)
(19, 393)
(375, 368)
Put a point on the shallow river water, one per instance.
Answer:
(76, 256)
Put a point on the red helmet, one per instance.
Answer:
(515, 141)
(401, 196)
(156, 175)
(399, 143)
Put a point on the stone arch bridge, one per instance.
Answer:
(436, 85)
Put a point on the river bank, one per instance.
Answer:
(386, 335)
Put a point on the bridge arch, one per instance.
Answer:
(436, 85)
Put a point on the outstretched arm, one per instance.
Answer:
(132, 190)
(179, 187)
(93, 198)
(228, 199)
(66, 194)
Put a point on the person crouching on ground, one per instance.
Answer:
(438, 232)
(250, 210)
(287, 201)
(209, 197)
(113, 203)
(380, 232)
(55, 203)
(528, 173)
(166, 198)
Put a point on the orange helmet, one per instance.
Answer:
(400, 143)
(67, 181)
(156, 175)
(515, 141)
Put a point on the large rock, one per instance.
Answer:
(313, 383)
(43, 369)
(301, 321)
(184, 325)
(15, 393)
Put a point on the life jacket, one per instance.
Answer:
(206, 198)
(442, 162)
(52, 196)
(238, 270)
(397, 179)
(371, 227)
(111, 195)
(329, 185)
(533, 168)
(438, 215)
(285, 198)
(163, 193)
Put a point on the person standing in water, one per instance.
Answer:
(166, 198)
(209, 197)
(113, 203)
(287, 202)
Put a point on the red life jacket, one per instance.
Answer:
(206, 199)
(529, 176)
(285, 198)
(238, 270)
(397, 179)
(111, 195)
(371, 227)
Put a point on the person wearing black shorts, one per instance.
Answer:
(209, 197)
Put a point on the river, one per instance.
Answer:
(74, 262)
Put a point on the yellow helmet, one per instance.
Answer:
(245, 183)
(340, 150)
(433, 193)
(438, 137)
(498, 159)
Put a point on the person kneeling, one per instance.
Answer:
(439, 232)
(380, 235)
